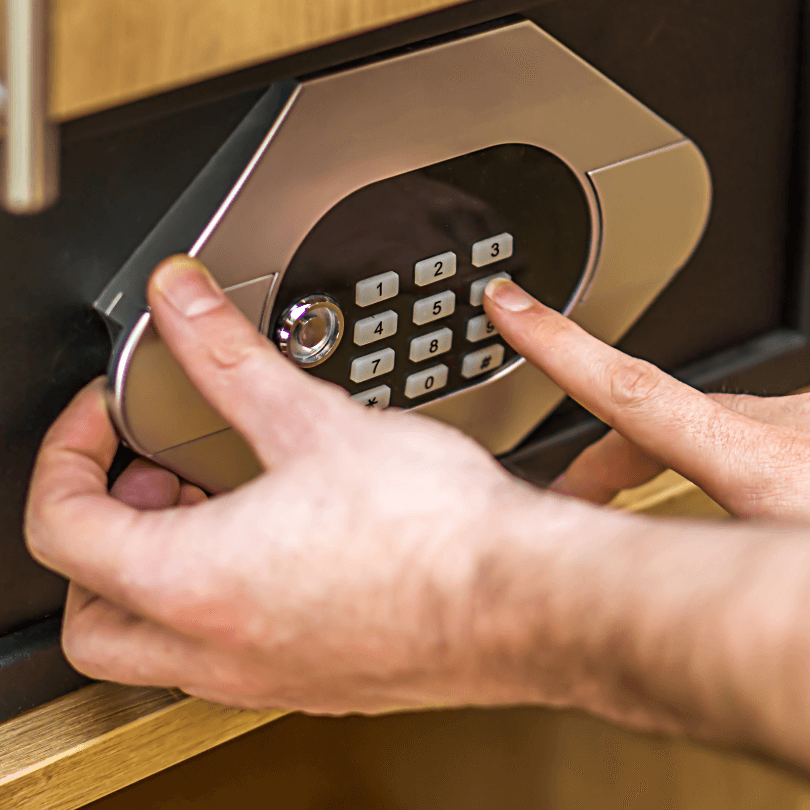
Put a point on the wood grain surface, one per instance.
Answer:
(106, 52)
(105, 737)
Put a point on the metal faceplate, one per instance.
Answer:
(648, 188)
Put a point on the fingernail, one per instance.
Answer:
(507, 295)
(188, 287)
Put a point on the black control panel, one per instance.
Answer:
(405, 261)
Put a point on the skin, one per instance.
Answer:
(384, 561)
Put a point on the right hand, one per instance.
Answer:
(751, 454)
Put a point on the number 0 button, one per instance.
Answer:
(372, 365)
(435, 307)
(377, 288)
(423, 382)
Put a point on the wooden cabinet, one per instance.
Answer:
(106, 52)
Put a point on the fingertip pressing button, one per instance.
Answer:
(477, 288)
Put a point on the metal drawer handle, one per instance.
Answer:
(29, 173)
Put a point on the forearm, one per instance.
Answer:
(669, 626)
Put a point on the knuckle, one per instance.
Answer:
(778, 477)
(236, 347)
(633, 382)
(81, 649)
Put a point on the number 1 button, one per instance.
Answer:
(377, 288)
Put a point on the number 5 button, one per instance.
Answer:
(435, 307)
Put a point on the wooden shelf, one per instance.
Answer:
(107, 52)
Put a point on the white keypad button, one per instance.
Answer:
(431, 345)
(494, 249)
(377, 398)
(435, 269)
(377, 327)
(477, 288)
(482, 361)
(435, 307)
(372, 365)
(375, 289)
(480, 328)
(423, 382)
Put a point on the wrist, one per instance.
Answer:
(538, 600)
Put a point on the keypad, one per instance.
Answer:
(423, 382)
(437, 306)
(414, 335)
(480, 328)
(477, 288)
(495, 249)
(482, 361)
(372, 290)
(377, 327)
(431, 345)
(372, 365)
(376, 398)
(439, 268)
(422, 246)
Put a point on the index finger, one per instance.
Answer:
(671, 421)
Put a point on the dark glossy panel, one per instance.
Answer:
(393, 224)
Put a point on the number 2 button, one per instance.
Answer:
(435, 269)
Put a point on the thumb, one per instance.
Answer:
(277, 408)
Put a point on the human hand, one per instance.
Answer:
(342, 579)
(751, 454)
